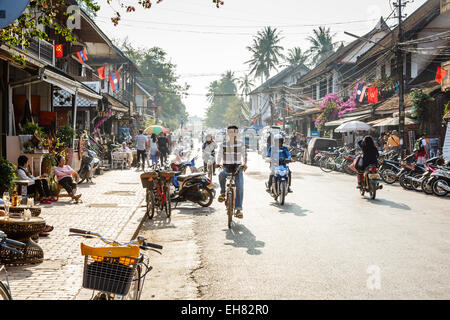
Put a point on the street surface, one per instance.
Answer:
(326, 242)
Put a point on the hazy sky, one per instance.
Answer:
(204, 41)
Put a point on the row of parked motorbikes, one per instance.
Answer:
(431, 177)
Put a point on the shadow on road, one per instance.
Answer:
(243, 238)
(290, 208)
(159, 221)
(392, 204)
(196, 211)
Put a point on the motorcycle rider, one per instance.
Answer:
(369, 157)
(209, 150)
(278, 154)
(233, 154)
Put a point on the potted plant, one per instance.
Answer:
(65, 135)
(7, 175)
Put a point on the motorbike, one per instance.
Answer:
(195, 187)
(371, 182)
(410, 173)
(89, 164)
(389, 170)
(280, 182)
(441, 184)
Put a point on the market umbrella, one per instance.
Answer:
(156, 129)
(353, 126)
(395, 121)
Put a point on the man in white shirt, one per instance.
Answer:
(232, 153)
(141, 147)
(39, 185)
(209, 148)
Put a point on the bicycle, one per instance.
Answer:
(8, 244)
(117, 271)
(230, 193)
(157, 184)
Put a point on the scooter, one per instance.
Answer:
(371, 182)
(89, 163)
(280, 182)
(441, 184)
(182, 167)
(195, 187)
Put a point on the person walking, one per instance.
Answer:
(163, 147)
(154, 152)
(393, 141)
(141, 147)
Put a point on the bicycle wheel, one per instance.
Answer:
(4, 292)
(136, 286)
(167, 204)
(150, 198)
(230, 207)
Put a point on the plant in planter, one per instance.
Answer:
(38, 134)
(7, 175)
(66, 135)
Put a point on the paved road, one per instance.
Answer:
(327, 242)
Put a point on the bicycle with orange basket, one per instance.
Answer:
(157, 184)
(115, 272)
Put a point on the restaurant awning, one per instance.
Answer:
(116, 105)
(69, 85)
(394, 122)
(344, 120)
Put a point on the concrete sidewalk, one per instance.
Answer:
(110, 207)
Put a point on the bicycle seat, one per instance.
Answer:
(188, 176)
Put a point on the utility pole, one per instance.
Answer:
(400, 72)
(283, 106)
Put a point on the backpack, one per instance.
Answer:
(418, 146)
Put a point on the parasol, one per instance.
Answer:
(353, 126)
(156, 129)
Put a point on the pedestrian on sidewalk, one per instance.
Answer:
(163, 147)
(141, 147)
(154, 152)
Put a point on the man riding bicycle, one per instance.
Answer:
(232, 153)
(278, 154)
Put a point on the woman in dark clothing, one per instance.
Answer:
(369, 156)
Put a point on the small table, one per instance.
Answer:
(23, 186)
(35, 211)
(22, 230)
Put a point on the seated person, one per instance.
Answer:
(278, 154)
(124, 147)
(39, 185)
(63, 174)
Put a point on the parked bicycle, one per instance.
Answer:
(10, 245)
(115, 272)
(157, 196)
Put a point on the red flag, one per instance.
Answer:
(101, 73)
(440, 74)
(58, 50)
(372, 94)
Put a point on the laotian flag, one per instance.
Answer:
(114, 80)
(360, 92)
(58, 50)
(82, 56)
(372, 95)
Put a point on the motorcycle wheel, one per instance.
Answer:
(417, 185)
(438, 190)
(388, 176)
(325, 165)
(283, 191)
(372, 189)
(208, 198)
(405, 182)
(150, 209)
(427, 185)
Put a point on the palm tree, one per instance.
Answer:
(322, 45)
(245, 85)
(213, 90)
(228, 83)
(266, 53)
(296, 57)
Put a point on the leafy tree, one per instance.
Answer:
(322, 45)
(159, 73)
(296, 57)
(266, 53)
(245, 85)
